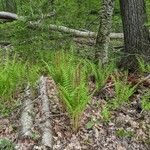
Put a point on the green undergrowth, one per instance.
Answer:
(14, 75)
(122, 133)
(6, 144)
(146, 101)
(100, 73)
(123, 91)
(143, 67)
(123, 94)
(71, 73)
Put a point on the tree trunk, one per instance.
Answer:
(136, 34)
(103, 37)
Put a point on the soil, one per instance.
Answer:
(127, 129)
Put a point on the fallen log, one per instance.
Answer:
(26, 117)
(74, 32)
(46, 127)
(8, 16)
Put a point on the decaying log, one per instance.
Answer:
(46, 127)
(26, 117)
(74, 32)
(82, 33)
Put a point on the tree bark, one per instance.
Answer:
(136, 33)
(103, 36)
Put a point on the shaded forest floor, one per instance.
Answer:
(124, 128)
(128, 127)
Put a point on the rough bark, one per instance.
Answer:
(75, 32)
(136, 33)
(47, 138)
(103, 36)
(26, 117)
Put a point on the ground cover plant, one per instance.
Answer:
(70, 75)
(14, 74)
(54, 94)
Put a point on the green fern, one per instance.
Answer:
(146, 101)
(123, 91)
(144, 68)
(13, 75)
(69, 72)
(100, 73)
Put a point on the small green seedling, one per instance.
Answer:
(123, 91)
(91, 123)
(6, 144)
(122, 133)
(144, 68)
(146, 101)
(100, 73)
(106, 114)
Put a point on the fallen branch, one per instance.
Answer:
(75, 32)
(46, 128)
(89, 34)
(26, 117)
(8, 16)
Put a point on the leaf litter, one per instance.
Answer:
(127, 129)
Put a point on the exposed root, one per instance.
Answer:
(26, 116)
(46, 127)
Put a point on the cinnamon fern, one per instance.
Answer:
(70, 75)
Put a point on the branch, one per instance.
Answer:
(11, 16)
(8, 16)
(26, 117)
(47, 127)
(75, 32)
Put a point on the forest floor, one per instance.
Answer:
(127, 129)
